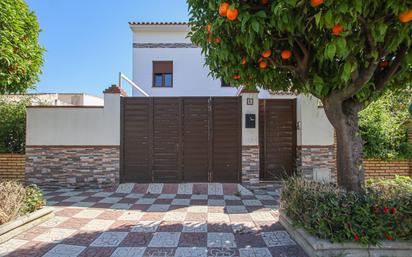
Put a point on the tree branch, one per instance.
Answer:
(363, 78)
(369, 37)
(359, 79)
(309, 20)
(382, 78)
(302, 47)
(389, 35)
(302, 56)
(282, 66)
(279, 39)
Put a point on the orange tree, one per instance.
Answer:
(345, 52)
(21, 56)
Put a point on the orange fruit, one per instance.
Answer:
(266, 53)
(316, 3)
(236, 76)
(286, 54)
(263, 64)
(232, 14)
(223, 9)
(383, 64)
(264, 2)
(406, 16)
(244, 61)
(337, 29)
(217, 40)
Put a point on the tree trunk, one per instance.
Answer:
(344, 118)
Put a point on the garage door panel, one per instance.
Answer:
(172, 139)
(134, 156)
(226, 126)
(195, 139)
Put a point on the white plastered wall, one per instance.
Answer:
(75, 125)
(190, 76)
(160, 34)
(91, 100)
(315, 128)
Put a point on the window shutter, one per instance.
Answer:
(162, 67)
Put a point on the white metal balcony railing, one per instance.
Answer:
(124, 77)
(239, 90)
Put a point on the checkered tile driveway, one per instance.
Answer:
(159, 220)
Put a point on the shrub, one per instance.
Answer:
(382, 212)
(16, 200)
(33, 199)
(12, 196)
(12, 125)
(383, 126)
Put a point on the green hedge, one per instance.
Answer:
(12, 125)
(383, 212)
(383, 126)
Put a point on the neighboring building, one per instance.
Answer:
(58, 99)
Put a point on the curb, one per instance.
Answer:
(316, 247)
(24, 223)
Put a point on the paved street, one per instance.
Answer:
(159, 220)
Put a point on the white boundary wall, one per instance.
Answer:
(315, 128)
(75, 125)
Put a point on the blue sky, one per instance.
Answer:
(89, 41)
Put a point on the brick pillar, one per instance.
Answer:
(250, 138)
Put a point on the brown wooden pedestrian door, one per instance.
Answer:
(175, 139)
(277, 138)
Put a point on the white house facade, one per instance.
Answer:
(168, 42)
(187, 127)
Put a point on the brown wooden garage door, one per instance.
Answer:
(175, 139)
(277, 138)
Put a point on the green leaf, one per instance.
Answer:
(212, 5)
(318, 17)
(358, 6)
(346, 72)
(380, 32)
(375, 54)
(341, 47)
(266, 44)
(261, 14)
(330, 51)
(329, 18)
(245, 19)
(319, 84)
(343, 7)
(255, 26)
(292, 2)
